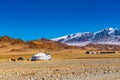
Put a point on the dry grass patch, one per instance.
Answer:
(62, 54)
(25, 56)
(29, 74)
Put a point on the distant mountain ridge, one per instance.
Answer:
(42, 43)
(7, 40)
(99, 40)
(104, 36)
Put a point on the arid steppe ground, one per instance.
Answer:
(61, 69)
(68, 64)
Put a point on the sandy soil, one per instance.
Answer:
(65, 65)
(61, 69)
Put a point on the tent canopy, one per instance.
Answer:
(41, 56)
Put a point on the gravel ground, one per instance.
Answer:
(61, 69)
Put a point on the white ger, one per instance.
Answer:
(41, 56)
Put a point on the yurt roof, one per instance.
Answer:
(40, 54)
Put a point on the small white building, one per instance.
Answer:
(41, 56)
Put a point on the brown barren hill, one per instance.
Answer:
(15, 45)
(102, 47)
(44, 43)
(5, 40)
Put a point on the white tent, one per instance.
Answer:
(41, 56)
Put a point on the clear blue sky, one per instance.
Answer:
(33, 19)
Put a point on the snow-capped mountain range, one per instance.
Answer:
(104, 36)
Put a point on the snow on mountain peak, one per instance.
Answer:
(111, 29)
(107, 35)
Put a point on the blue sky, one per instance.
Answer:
(33, 19)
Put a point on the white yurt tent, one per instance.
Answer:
(41, 56)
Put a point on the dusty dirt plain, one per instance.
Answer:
(65, 65)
